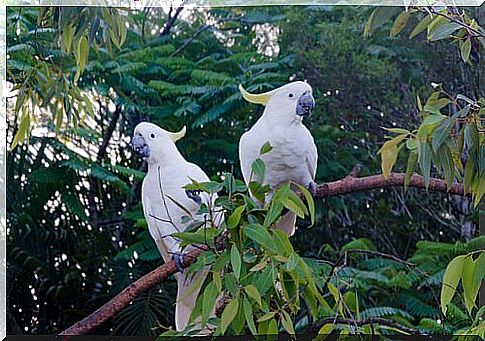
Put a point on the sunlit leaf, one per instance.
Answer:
(451, 279)
(229, 314)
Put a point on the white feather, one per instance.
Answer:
(294, 154)
(165, 203)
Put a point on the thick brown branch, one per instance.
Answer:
(349, 184)
(124, 298)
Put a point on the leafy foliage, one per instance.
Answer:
(76, 232)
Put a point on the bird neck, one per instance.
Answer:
(169, 158)
(282, 118)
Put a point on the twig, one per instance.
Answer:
(171, 20)
(343, 258)
(456, 21)
(190, 40)
(372, 320)
(93, 184)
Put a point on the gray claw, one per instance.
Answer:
(194, 195)
(178, 258)
(312, 187)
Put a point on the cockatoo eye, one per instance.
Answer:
(152, 136)
(291, 95)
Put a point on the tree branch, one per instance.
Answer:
(453, 19)
(372, 320)
(124, 298)
(171, 20)
(190, 40)
(349, 184)
(93, 184)
(352, 184)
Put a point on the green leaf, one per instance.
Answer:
(421, 26)
(447, 165)
(473, 272)
(411, 166)
(292, 262)
(470, 170)
(209, 300)
(82, 52)
(451, 279)
(465, 50)
(265, 148)
(235, 217)
(295, 205)
(411, 144)
(274, 212)
(310, 203)
(229, 314)
(399, 131)
(258, 191)
(287, 322)
(388, 158)
(209, 186)
(231, 283)
(252, 292)
(425, 161)
(66, 38)
(258, 168)
(221, 261)
(399, 23)
(190, 237)
(444, 31)
(22, 132)
(264, 281)
(236, 261)
(433, 119)
(260, 266)
(248, 314)
(326, 329)
(216, 276)
(379, 17)
(260, 235)
(272, 327)
(334, 291)
(442, 132)
(266, 316)
(282, 242)
(238, 322)
(358, 244)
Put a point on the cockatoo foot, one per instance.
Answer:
(312, 188)
(194, 195)
(178, 258)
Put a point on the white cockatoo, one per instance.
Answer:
(162, 195)
(294, 155)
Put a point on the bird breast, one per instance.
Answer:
(287, 159)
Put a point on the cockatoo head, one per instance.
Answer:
(292, 100)
(153, 142)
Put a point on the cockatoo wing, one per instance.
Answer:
(311, 157)
(249, 148)
(158, 230)
(189, 285)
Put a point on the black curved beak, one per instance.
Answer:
(305, 105)
(139, 146)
